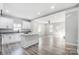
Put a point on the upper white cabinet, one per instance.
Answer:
(6, 23)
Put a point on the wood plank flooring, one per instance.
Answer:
(16, 49)
(12, 49)
(32, 50)
(48, 45)
(71, 49)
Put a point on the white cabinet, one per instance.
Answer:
(11, 38)
(6, 22)
(0, 42)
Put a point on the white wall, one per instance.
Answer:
(37, 28)
(78, 32)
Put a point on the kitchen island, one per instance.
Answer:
(29, 39)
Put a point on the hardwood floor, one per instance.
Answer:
(71, 49)
(32, 50)
(16, 49)
(12, 49)
(48, 45)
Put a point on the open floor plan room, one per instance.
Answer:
(39, 29)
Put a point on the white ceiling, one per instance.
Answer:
(33, 10)
(56, 18)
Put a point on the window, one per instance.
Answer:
(17, 27)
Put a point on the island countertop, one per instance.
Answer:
(30, 34)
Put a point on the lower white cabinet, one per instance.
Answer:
(0, 42)
(10, 38)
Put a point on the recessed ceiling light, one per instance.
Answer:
(52, 7)
(38, 13)
(7, 11)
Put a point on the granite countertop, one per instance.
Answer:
(8, 32)
(11, 31)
